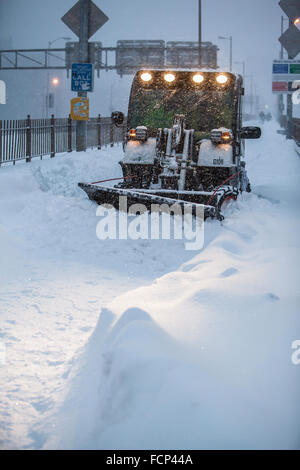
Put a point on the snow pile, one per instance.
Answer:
(55, 276)
(202, 357)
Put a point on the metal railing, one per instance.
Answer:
(28, 138)
(296, 129)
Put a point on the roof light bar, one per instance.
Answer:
(198, 78)
(222, 79)
(169, 77)
(146, 77)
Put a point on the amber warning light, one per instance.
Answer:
(226, 136)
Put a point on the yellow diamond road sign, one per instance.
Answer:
(96, 19)
(80, 109)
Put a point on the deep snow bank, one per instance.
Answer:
(55, 276)
(202, 357)
(46, 215)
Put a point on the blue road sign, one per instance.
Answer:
(82, 77)
(280, 68)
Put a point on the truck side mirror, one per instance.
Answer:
(118, 118)
(250, 132)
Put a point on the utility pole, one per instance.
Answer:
(200, 32)
(252, 94)
(289, 105)
(280, 98)
(81, 126)
(290, 40)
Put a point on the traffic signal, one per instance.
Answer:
(290, 39)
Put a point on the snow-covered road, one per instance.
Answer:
(191, 350)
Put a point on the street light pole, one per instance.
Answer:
(47, 85)
(252, 94)
(229, 38)
(242, 62)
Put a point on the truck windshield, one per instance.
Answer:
(204, 109)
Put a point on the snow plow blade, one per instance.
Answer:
(108, 195)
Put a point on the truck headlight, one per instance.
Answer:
(141, 133)
(222, 79)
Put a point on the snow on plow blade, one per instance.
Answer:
(107, 195)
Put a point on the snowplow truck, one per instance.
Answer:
(184, 142)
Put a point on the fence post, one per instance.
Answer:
(99, 132)
(52, 129)
(69, 133)
(0, 142)
(28, 139)
(112, 134)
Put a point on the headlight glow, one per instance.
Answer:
(169, 77)
(146, 77)
(222, 79)
(198, 78)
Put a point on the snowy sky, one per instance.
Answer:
(254, 25)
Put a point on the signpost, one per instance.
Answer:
(280, 87)
(286, 70)
(290, 40)
(95, 55)
(82, 77)
(279, 67)
(84, 19)
(295, 68)
(80, 109)
(96, 19)
(285, 75)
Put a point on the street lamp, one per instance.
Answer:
(55, 80)
(57, 39)
(228, 38)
